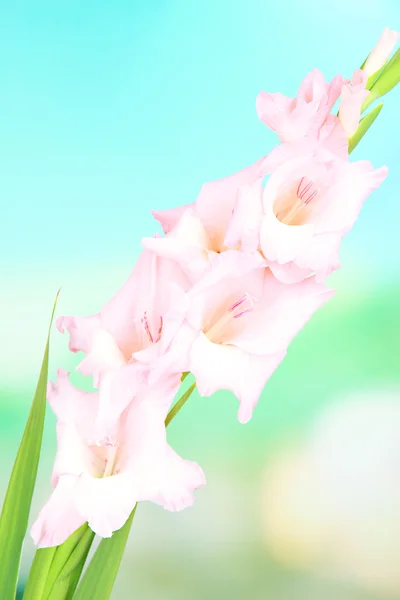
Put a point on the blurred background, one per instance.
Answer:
(109, 110)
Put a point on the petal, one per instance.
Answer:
(282, 243)
(177, 479)
(80, 329)
(290, 272)
(333, 138)
(351, 185)
(382, 51)
(244, 226)
(118, 388)
(274, 110)
(159, 474)
(72, 456)
(71, 405)
(170, 217)
(353, 95)
(279, 315)
(103, 355)
(186, 243)
(321, 256)
(105, 503)
(225, 367)
(217, 199)
(59, 517)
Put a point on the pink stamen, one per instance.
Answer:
(306, 190)
(238, 303)
(146, 327)
(242, 313)
(159, 332)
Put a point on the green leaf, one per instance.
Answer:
(98, 580)
(55, 571)
(68, 565)
(17, 503)
(388, 78)
(38, 574)
(363, 127)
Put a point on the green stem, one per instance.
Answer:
(177, 407)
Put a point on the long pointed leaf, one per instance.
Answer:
(363, 127)
(17, 503)
(64, 586)
(57, 570)
(389, 77)
(38, 574)
(98, 580)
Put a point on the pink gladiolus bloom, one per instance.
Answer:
(196, 234)
(308, 206)
(239, 323)
(304, 116)
(99, 481)
(382, 51)
(143, 313)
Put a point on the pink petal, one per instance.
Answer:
(159, 474)
(225, 367)
(186, 243)
(177, 481)
(353, 95)
(279, 315)
(170, 217)
(290, 272)
(72, 405)
(351, 185)
(80, 329)
(217, 199)
(244, 226)
(59, 518)
(382, 51)
(274, 110)
(106, 503)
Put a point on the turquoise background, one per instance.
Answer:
(109, 110)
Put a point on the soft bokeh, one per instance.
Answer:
(112, 109)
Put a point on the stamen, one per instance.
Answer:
(245, 298)
(306, 190)
(238, 303)
(146, 327)
(159, 332)
(145, 323)
(245, 305)
(243, 313)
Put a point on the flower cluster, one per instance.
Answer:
(221, 294)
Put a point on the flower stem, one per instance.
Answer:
(177, 407)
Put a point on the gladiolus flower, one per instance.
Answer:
(143, 313)
(196, 234)
(308, 206)
(239, 323)
(99, 481)
(306, 115)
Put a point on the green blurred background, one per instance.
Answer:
(112, 109)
